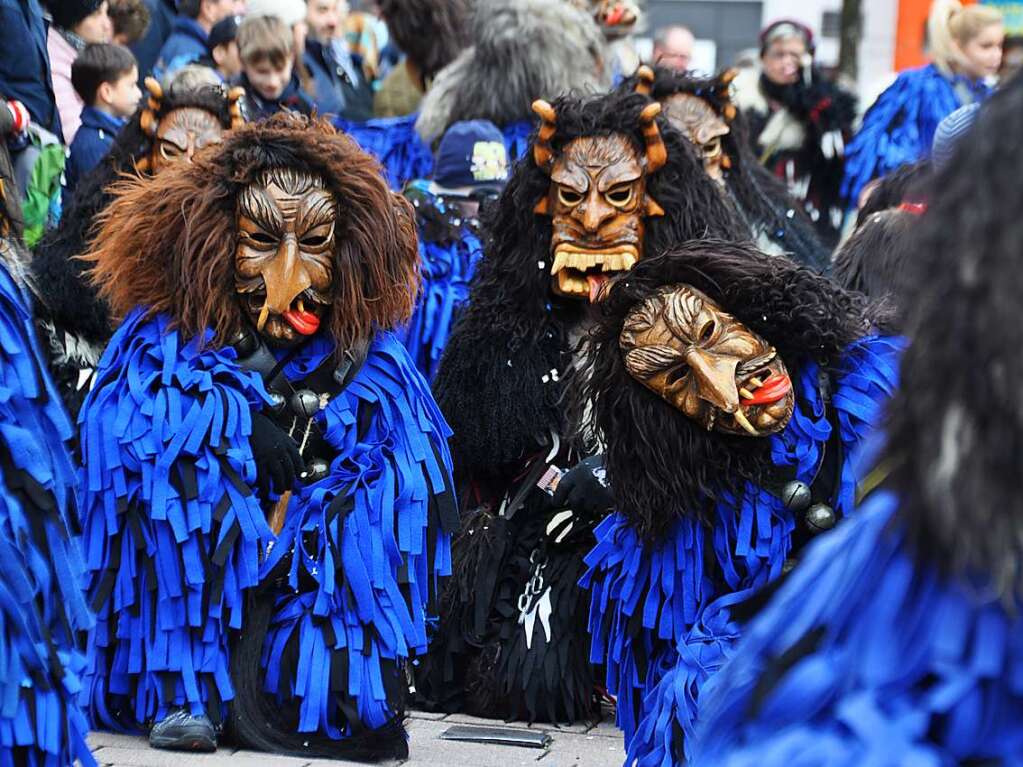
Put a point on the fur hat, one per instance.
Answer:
(522, 50)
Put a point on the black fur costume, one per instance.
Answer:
(761, 198)
(74, 323)
(505, 384)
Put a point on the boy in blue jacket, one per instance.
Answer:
(106, 77)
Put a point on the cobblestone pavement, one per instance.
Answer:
(581, 745)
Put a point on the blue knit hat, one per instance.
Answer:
(471, 154)
(950, 130)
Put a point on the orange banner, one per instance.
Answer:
(911, 34)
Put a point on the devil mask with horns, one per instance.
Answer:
(597, 201)
(178, 132)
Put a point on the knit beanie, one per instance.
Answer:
(67, 13)
(289, 11)
(950, 130)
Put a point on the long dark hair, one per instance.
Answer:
(956, 425)
(662, 464)
(495, 383)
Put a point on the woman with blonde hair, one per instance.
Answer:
(966, 51)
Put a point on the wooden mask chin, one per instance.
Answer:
(598, 201)
(285, 260)
(685, 348)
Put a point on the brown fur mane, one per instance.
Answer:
(168, 242)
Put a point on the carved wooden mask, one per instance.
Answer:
(598, 201)
(681, 345)
(705, 130)
(181, 133)
(284, 264)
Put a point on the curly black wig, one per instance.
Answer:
(956, 425)
(58, 276)
(662, 465)
(498, 382)
(873, 260)
(761, 198)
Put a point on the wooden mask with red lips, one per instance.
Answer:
(597, 201)
(685, 348)
(284, 263)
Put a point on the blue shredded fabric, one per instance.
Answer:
(447, 264)
(905, 666)
(175, 536)
(41, 603)
(395, 143)
(899, 127)
(659, 620)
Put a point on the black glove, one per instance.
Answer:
(278, 462)
(584, 489)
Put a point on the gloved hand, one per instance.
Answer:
(278, 462)
(584, 489)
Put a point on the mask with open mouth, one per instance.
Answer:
(597, 201)
(681, 345)
(284, 264)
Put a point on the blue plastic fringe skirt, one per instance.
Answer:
(41, 603)
(175, 535)
(660, 620)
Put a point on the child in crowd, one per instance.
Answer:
(266, 47)
(105, 76)
(222, 45)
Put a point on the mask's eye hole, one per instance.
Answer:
(620, 196)
(169, 151)
(569, 197)
(316, 241)
(262, 238)
(676, 374)
(707, 331)
(712, 148)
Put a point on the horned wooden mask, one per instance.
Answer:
(682, 346)
(598, 201)
(181, 132)
(284, 264)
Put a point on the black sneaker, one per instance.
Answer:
(181, 731)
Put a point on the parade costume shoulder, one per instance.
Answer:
(42, 610)
(688, 550)
(509, 383)
(896, 641)
(899, 127)
(226, 580)
(449, 250)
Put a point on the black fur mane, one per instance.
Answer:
(491, 383)
(661, 464)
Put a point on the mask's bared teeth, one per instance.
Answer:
(628, 261)
(560, 262)
(745, 393)
(743, 421)
(757, 383)
(301, 305)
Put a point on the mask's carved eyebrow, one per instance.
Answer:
(256, 204)
(316, 209)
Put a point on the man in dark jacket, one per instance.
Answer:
(24, 65)
(341, 86)
(187, 41)
(161, 22)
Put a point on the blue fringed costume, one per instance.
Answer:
(41, 605)
(899, 127)
(667, 601)
(294, 605)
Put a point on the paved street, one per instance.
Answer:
(577, 746)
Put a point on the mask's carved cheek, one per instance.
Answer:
(685, 348)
